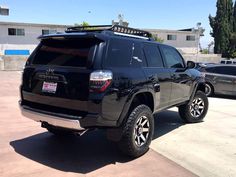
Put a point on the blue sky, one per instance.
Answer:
(160, 14)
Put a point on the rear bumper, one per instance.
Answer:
(51, 118)
(76, 123)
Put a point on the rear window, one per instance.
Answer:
(64, 52)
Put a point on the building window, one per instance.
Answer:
(48, 31)
(190, 38)
(16, 32)
(171, 37)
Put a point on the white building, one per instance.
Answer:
(21, 38)
(186, 40)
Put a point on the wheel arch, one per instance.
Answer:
(200, 86)
(144, 97)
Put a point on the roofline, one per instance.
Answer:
(34, 24)
(67, 26)
(169, 31)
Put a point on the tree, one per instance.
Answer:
(233, 35)
(234, 18)
(158, 39)
(84, 23)
(222, 26)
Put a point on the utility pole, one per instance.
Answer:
(200, 33)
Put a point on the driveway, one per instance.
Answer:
(204, 149)
(26, 149)
(207, 148)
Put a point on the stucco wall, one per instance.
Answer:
(211, 58)
(1, 64)
(181, 43)
(27, 42)
(17, 62)
(13, 62)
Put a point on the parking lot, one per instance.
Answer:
(178, 149)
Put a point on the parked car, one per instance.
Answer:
(220, 79)
(229, 62)
(109, 77)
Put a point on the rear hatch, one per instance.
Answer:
(58, 71)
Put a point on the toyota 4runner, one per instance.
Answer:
(109, 77)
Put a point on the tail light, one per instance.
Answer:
(100, 80)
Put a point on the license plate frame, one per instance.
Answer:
(49, 87)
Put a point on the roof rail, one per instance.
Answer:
(114, 28)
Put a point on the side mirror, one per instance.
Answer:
(191, 64)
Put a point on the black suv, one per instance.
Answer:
(109, 77)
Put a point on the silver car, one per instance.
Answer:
(220, 79)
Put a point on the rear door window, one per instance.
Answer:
(153, 55)
(73, 53)
(210, 70)
(226, 70)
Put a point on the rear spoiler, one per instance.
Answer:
(70, 35)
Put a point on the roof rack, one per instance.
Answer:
(115, 28)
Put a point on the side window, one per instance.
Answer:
(124, 53)
(119, 53)
(219, 70)
(222, 62)
(226, 70)
(172, 57)
(231, 71)
(228, 62)
(153, 55)
(210, 70)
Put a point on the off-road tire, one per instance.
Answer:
(185, 110)
(128, 142)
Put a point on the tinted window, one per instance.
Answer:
(64, 52)
(226, 70)
(222, 62)
(172, 57)
(228, 62)
(124, 53)
(152, 55)
(210, 70)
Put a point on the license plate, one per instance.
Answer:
(49, 87)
